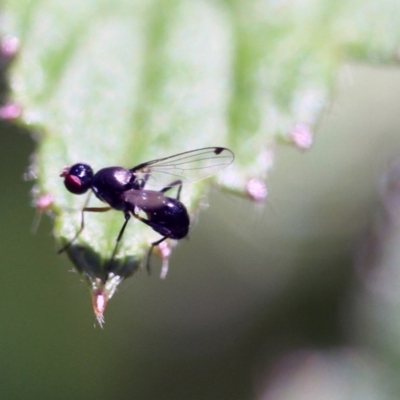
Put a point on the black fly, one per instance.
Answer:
(142, 189)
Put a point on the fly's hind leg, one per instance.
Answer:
(177, 183)
(171, 186)
(154, 244)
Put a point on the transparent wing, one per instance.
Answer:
(189, 166)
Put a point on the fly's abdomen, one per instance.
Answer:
(171, 220)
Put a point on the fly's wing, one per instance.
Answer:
(189, 166)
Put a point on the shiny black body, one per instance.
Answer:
(121, 189)
(131, 190)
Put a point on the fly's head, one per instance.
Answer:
(78, 178)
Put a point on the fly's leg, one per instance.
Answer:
(178, 184)
(141, 183)
(119, 237)
(171, 186)
(82, 227)
(154, 244)
(147, 222)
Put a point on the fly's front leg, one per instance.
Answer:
(82, 227)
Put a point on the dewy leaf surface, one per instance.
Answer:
(118, 82)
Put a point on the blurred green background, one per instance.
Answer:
(294, 300)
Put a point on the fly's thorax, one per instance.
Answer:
(109, 184)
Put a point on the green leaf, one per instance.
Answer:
(123, 82)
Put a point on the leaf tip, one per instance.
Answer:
(100, 300)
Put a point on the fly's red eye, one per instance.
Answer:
(78, 178)
(73, 184)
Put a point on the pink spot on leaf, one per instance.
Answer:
(10, 112)
(44, 202)
(302, 136)
(257, 189)
(164, 250)
(9, 46)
